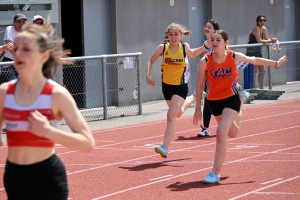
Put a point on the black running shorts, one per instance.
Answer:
(170, 90)
(216, 106)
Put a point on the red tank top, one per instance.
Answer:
(16, 117)
(222, 78)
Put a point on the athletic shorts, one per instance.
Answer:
(170, 90)
(217, 106)
(45, 180)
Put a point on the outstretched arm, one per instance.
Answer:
(192, 53)
(158, 52)
(240, 57)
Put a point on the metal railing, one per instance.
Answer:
(103, 86)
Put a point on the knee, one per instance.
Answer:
(232, 134)
(221, 136)
(171, 116)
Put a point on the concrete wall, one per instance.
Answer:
(238, 17)
(140, 27)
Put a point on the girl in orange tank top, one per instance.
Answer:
(223, 100)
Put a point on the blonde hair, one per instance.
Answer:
(182, 29)
(46, 41)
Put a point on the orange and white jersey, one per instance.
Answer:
(222, 78)
(16, 117)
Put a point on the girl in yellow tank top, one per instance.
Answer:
(175, 76)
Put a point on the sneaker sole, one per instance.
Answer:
(205, 182)
(160, 152)
(200, 135)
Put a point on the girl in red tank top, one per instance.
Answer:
(222, 94)
(31, 107)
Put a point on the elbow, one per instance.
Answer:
(89, 146)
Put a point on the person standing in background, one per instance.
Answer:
(8, 72)
(259, 34)
(38, 19)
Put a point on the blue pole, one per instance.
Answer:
(249, 77)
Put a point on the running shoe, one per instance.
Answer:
(203, 94)
(212, 178)
(161, 150)
(244, 95)
(204, 132)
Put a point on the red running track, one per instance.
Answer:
(263, 162)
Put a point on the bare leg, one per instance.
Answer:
(174, 108)
(225, 121)
(261, 74)
(188, 101)
(234, 129)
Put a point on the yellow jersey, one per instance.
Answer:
(174, 66)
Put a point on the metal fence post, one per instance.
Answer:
(104, 84)
(139, 83)
(269, 71)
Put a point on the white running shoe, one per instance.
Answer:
(195, 93)
(244, 95)
(161, 150)
(212, 178)
(204, 132)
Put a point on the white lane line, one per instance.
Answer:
(207, 144)
(253, 191)
(193, 172)
(161, 177)
(259, 144)
(271, 181)
(284, 193)
(196, 129)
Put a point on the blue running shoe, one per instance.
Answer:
(244, 95)
(212, 178)
(161, 150)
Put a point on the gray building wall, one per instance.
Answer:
(238, 17)
(126, 26)
(140, 27)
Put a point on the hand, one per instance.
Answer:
(150, 81)
(281, 61)
(38, 124)
(273, 40)
(197, 116)
(7, 47)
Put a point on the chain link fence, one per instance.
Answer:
(103, 87)
(286, 78)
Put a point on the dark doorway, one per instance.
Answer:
(71, 22)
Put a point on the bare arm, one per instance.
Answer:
(266, 39)
(64, 105)
(240, 57)
(200, 85)
(6, 47)
(192, 53)
(266, 36)
(3, 88)
(158, 52)
(9, 43)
